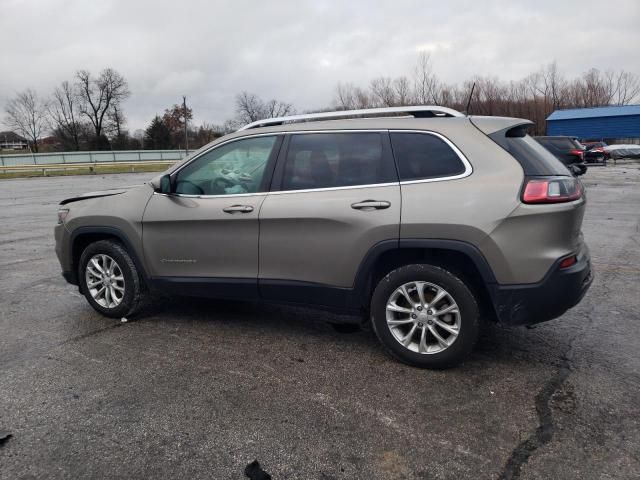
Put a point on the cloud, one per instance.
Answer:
(298, 50)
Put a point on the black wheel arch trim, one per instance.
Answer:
(105, 230)
(366, 266)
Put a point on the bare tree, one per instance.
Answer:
(593, 89)
(554, 84)
(275, 108)
(251, 108)
(382, 92)
(426, 83)
(117, 120)
(26, 115)
(344, 97)
(349, 97)
(98, 95)
(627, 88)
(362, 99)
(63, 114)
(402, 91)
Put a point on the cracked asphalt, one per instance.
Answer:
(198, 389)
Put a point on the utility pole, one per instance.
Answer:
(186, 135)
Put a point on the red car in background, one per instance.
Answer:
(595, 152)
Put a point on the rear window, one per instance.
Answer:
(532, 156)
(422, 156)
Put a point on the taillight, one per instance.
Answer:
(569, 261)
(552, 190)
(577, 152)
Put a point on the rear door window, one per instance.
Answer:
(328, 160)
(423, 156)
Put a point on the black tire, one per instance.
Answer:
(467, 305)
(134, 290)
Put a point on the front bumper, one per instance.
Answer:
(560, 290)
(63, 252)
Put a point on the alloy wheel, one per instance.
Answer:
(423, 317)
(105, 280)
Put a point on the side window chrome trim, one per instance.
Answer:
(227, 195)
(328, 189)
(468, 169)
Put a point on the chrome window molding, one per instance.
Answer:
(328, 189)
(225, 195)
(468, 168)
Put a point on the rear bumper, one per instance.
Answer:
(560, 290)
(70, 277)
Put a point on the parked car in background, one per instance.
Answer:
(566, 149)
(616, 152)
(595, 152)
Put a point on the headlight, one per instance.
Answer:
(62, 215)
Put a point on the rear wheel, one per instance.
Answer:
(109, 279)
(425, 316)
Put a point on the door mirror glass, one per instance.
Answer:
(165, 184)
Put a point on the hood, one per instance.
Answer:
(100, 193)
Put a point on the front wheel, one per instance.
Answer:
(425, 316)
(109, 279)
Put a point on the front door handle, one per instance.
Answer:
(238, 209)
(371, 205)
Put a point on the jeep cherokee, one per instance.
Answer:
(422, 219)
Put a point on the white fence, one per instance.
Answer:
(90, 157)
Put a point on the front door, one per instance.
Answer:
(208, 228)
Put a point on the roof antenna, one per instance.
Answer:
(473, 87)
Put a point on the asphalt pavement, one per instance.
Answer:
(200, 388)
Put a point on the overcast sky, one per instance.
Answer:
(298, 50)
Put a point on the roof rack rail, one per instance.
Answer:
(420, 111)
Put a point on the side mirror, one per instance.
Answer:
(165, 184)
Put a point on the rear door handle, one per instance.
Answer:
(371, 205)
(238, 209)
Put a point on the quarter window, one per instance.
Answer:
(423, 156)
(236, 167)
(325, 160)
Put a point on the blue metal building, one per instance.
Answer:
(598, 123)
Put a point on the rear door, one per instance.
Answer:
(335, 195)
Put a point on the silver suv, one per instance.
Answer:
(422, 219)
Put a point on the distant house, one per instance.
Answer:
(12, 141)
(619, 124)
(51, 142)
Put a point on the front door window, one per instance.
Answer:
(233, 168)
